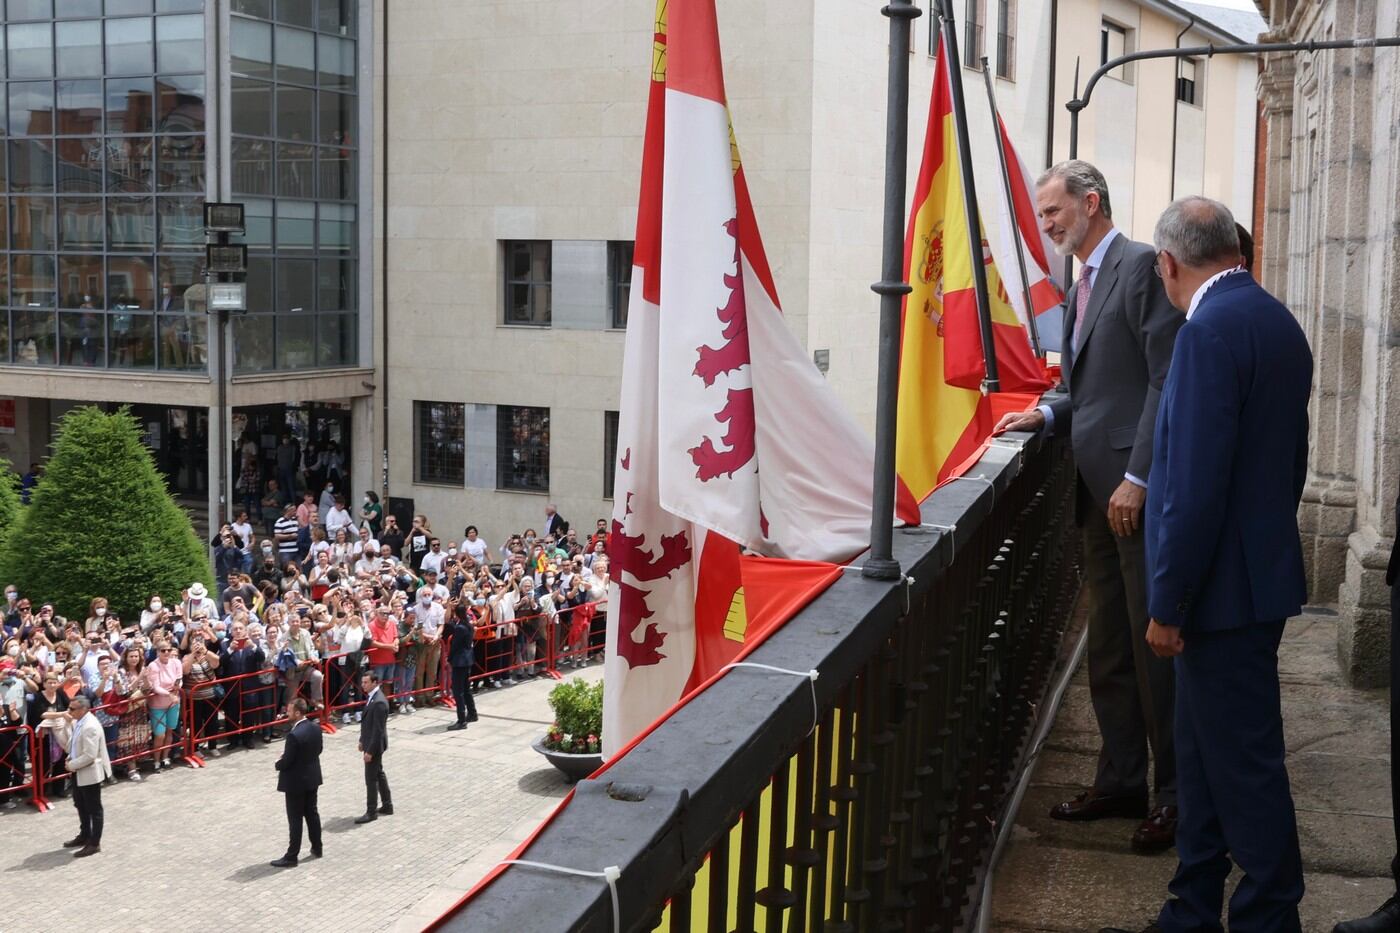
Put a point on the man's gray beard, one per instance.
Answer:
(1074, 238)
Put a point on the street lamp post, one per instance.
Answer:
(226, 292)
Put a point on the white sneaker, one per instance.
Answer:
(10, 803)
(357, 716)
(134, 776)
(346, 719)
(166, 762)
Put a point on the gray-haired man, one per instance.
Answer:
(87, 759)
(1119, 329)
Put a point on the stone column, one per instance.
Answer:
(1364, 630)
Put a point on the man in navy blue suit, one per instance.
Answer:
(1225, 571)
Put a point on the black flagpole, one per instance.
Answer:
(1015, 222)
(992, 383)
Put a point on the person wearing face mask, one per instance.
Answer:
(151, 614)
(267, 570)
(12, 690)
(372, 513)
(428, 617)
(326, 502)
(97, 615)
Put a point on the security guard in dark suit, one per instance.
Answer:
(374, 742)
(299, 779)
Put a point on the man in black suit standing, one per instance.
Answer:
(1119, 331)
(299, 779)
(460, 636)
(374, 742)
(1386, 919)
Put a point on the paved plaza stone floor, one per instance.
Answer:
(188, 849)
(1073, 877)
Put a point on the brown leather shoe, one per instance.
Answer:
(1157, 833)
(1092, 806)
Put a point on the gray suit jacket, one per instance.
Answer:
(1115, 377)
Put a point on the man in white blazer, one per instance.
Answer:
(87, 759)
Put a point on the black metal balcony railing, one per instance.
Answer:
(737, 814)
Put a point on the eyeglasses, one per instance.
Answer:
(1157, 262)
(166, 650)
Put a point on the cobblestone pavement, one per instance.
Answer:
(1064, 877)
(189, 849)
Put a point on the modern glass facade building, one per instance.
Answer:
(120, 118)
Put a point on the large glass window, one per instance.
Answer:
(619, 280)
(610, 422)
(440, 443)
(106, 169)
(294, 167)
(527, 268)
(522, 448)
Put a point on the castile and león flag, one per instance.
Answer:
(742, 483)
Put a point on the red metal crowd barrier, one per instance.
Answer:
(16, 745)
(239, 704)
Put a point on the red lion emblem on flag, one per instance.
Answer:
(712, 362)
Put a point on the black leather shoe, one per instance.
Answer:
(472, 718)
(91, 848)
(77, 842)
(284, 862)
(1386, 919)
(1157, 833)
(367, 818)
(387, 809)
(456, 727)
(1092, 806)
(315, 853)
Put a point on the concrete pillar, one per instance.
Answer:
(1364, 631)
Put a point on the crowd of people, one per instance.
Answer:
(301, 610)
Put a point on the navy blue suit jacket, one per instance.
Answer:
(1230, 458)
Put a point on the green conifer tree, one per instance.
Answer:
(102, 523)
(9, 500)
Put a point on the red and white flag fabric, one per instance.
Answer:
(728, 435)
(1018, 220)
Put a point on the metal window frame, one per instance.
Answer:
(421, 476)
(621, 254)
(505, 447)
(612, 421)
(55, 198)
(529, 282)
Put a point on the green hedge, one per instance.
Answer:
(102, 523)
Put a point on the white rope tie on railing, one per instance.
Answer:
(907, 580)
(811, 676)
(609, 874)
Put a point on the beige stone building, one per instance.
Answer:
(514, 135)
(1332, 208)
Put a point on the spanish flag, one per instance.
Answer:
(943, 417)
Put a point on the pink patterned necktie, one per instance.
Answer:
(1081, 301)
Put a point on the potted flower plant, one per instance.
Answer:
(572, 743)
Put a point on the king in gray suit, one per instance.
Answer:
(1119, 330)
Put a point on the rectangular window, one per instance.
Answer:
(973, 44)
(527, 267)
(1189, 69)
(609, 452)
(1114, 42)
(1006, 39)
(440, 443)
(522, 448)
(619, 280)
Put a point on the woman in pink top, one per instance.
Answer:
(164, 676)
